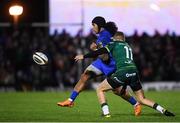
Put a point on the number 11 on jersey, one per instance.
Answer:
(128, 52)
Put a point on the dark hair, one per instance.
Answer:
(100, 21)
(111, 28)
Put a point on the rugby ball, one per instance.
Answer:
(40, 58)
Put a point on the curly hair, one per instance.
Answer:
(111, 28)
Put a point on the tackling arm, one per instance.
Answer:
(96, 53)
(92, 54)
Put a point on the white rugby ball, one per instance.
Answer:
(40, 58)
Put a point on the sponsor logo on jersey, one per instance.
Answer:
(130, 74)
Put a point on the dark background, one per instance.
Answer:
(33, 10)
(157, 57)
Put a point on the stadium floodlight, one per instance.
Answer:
(154, 7)
(15, 10)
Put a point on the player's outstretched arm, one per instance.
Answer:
(92, 54)
(96, 53)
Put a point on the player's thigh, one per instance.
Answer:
(136, 86)
(104, 86)
(93, 71)
(134, 81)
(139, 94)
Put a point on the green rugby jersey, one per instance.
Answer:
(122, 54)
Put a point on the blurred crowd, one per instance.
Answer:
(157, 57)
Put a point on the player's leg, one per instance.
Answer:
(126, 96)
(90, 72)
(77, 89)
(108, 70)
(137, 89)
(141, 98)
(101, 89)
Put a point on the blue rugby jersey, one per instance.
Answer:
(103, 39)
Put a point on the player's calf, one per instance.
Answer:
(125, 95)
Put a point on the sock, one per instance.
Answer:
(159, 108)
(74, 94)
(105, 108)
(132, 100)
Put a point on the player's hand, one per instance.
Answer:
(93, 46)
(79, 57)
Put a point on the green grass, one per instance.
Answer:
(41, 106)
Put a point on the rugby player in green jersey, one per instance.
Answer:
(126, 74)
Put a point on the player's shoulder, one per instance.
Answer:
(105, 32)
(112, 42)
(104, 35)
(119, 42)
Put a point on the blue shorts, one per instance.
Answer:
(106, 69)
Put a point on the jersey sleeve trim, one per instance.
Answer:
(107, 48)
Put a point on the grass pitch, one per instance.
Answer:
(41, 106)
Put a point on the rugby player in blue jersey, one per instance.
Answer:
(100, 66)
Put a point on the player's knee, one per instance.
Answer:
(90, 74)
(99, 89)
(84, 76)
(116, 92)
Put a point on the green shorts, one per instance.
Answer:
(125, 77)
